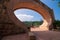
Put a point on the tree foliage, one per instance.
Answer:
(56, 25)
(34, 23)
(59, 4)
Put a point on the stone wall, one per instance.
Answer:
(7, 27)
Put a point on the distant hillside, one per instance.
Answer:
(33, 23)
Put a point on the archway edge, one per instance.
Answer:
(30, 5)
(33, 6)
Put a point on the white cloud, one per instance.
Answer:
(25, 17)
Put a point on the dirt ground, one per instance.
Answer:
(47, 35)
(40, 35)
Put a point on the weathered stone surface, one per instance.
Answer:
(9, 24)
(44, 10)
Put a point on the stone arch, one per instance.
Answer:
(30, 4)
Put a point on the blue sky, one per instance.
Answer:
(53, 5)
(27, 15)
(30, 15)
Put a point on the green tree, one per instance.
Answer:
(56, 25)
(59, 4)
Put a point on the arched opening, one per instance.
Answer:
(30, 17)
(47, 18)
